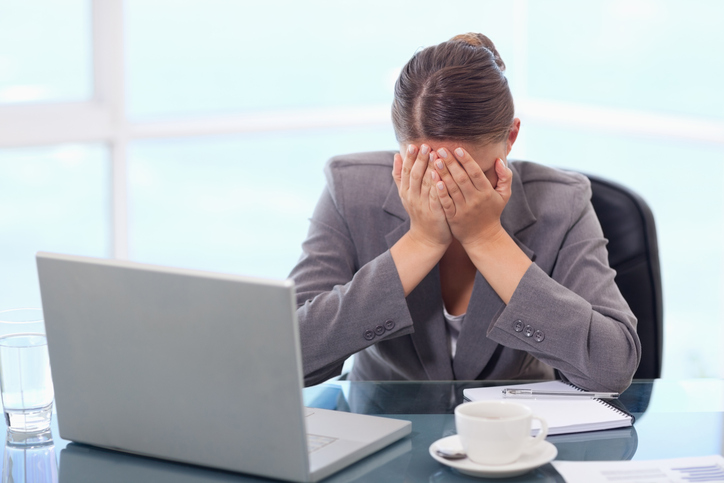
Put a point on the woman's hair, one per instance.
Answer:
(454, 90)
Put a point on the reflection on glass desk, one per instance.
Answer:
(673, 419)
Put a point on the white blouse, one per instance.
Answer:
(454, 324)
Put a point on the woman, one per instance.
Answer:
(459, 265)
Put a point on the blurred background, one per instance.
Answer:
(193, 133)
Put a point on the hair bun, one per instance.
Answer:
(480, 40)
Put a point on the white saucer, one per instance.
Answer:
(541, 454)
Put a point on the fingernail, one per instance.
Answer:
(440, 185)
(411, 149)
(432, 157)
(439, 164)
(432, 175)
(442, 153)
(424, 149)
(460, 152)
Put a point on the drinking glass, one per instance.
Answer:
(25, 382)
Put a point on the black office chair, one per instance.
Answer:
(633, 251)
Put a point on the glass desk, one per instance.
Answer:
(673, 419)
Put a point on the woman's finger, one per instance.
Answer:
(473, 170)
(461, 177)
(442, 169)
(397, 170)
(505, 179)
(441, 193)
(407, 163)
(417, 173)
(424, 160)
(435, 205)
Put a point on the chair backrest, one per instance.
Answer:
(633, 251)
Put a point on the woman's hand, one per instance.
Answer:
(415, 184)
(473, 207)
(471, 204)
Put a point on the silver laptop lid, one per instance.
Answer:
(185, 365)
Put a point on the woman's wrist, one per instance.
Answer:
(414, 258)
(500, 261)
(422, 241)
(490, 238)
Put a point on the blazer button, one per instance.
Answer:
(539, 336)
(369, 335)
(390, 324)
(518, 325)
(379, 330)
(528, 331)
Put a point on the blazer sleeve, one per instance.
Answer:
(575, 318)
(342, 307)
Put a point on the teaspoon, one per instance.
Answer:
(450, 453)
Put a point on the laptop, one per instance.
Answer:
(191, 366)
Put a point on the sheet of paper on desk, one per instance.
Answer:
(700, 468)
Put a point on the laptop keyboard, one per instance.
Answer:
(315, 442)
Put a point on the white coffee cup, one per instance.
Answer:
(497, 432)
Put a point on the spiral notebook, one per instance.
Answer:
(562, 415)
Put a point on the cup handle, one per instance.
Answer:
(541, 434)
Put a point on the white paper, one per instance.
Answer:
(684, 470)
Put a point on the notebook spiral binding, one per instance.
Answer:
(613, 407)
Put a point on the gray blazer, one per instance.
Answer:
(566, 314)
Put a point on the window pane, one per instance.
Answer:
(682, 184)
(658, 55)
(45, 50)
(221, 55)
(235, 203)
(51, 199)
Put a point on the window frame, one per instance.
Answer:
(103, 118)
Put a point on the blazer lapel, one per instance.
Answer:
(517, 215)
(474, 349)
(430, 336)
(425, 305)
